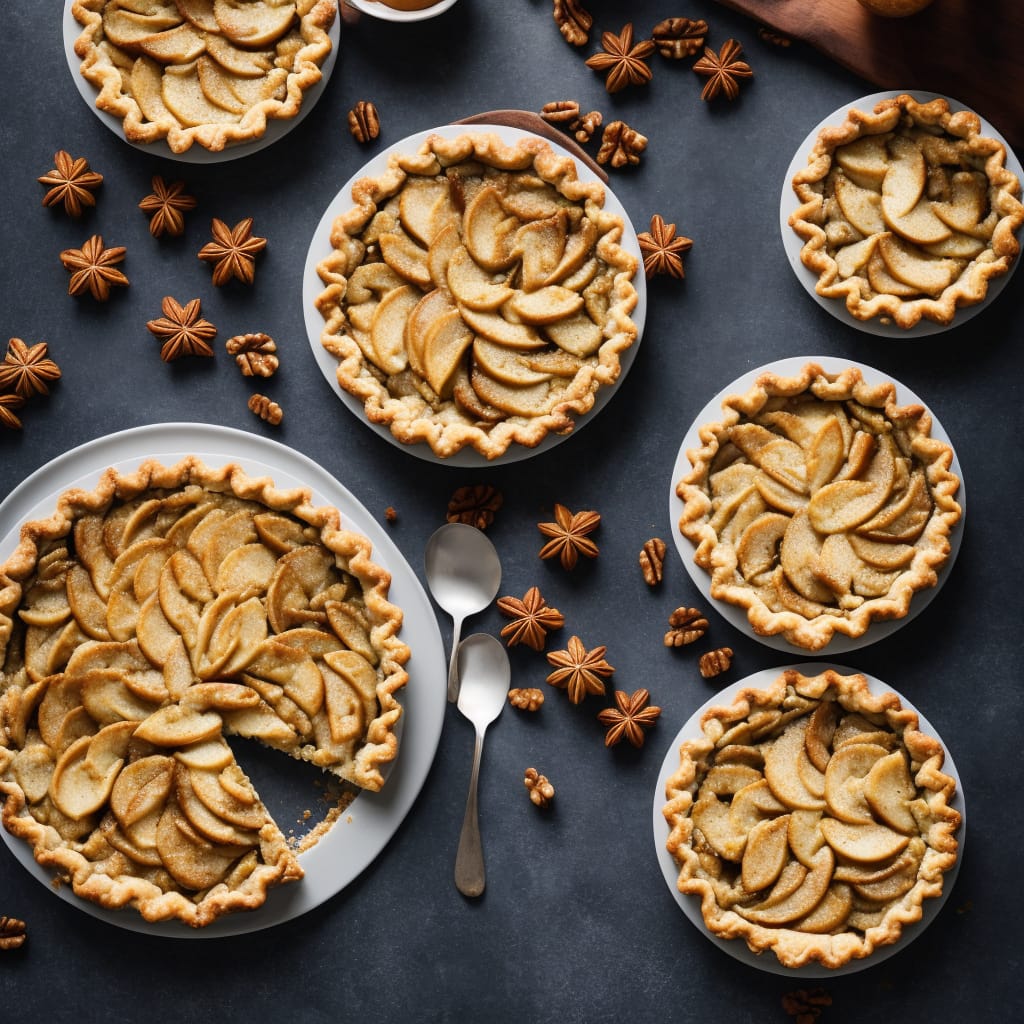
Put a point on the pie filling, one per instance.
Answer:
(477, 294)
(812, 819)
(144, 622)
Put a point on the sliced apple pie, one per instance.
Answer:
(206, 72)
(477, 294)
(812, 819)
(819, 505)
(907, 211)
(146, 621)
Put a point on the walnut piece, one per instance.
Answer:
(267, 409)
(526, 698)
(714, 663)
(560, 112)
(541, 791)
(584, 128)
(475, 504)
(573, 21)
(687, 624)
(254, 353)
(621, 145)
(676, 38)
(13, 932)
(364, 121)
(652, 561)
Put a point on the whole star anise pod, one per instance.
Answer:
(233, 251)
(71, 183)
(723, 70)
(26, 369)
(621, 60)
(578, 671)
(474, 504)
(569, 537)
(183, 331)
(165, 205)
(662, 249)
(629, 718)
(8, 403)
(531, 617)
(93, 268)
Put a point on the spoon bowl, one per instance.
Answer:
(464, 573)
(485, 673)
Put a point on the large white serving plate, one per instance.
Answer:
(320, 248)
(367, 825)
(276, 128)
(690, 905)
(793, 243)
(712, 413)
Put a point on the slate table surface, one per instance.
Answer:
(577, 923)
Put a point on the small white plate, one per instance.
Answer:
(691, 904)
(320, 248)
(368, 824)
(712, 413)
(195, 154)
(793, 243)
(385, 13)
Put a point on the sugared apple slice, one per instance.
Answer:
(905, 178)
(436, 304)
(801, 902)
(865, 160)
(862, 207)
(177, 45)
(470, 403)
(405, 257)
(473, 287)
(387, 329)
(545, 306)
(844, 781)
(189, 859)
(352, 629)
(505, 364)
(864, 844)
(831, 914)
(765, 854)
(184, 98)
(889, 791)
(534, 400)
(178, 725)
(578, 335)
(446, 241)
(539, 246)
(417, 204)
(921, 272)
(966, 204)
(254, 23)
(501, 330)
(141, 788)
(488, 230)
(444, 346)
(800, 550)
(214, 82)
(126, 28)
(781, 773)
(199, 12)
(853, 259)
(244, 63)
(757, 550)
(554, 362)
(883, 282)
(86, 772)
(920, 226)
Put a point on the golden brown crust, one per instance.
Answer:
(400, 395)
(757, 528)
(956, 273)
(871, 918)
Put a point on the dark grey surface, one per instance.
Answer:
(577, 923)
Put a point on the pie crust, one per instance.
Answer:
(142, 623)
(477, 294)
(812, 819)
(206, 72)
(907, 211)
(818, 504)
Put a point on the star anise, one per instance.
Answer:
(183, 331)
(532, 619)
(71, 183)
(621, 60)
(93, 268)
(723, 70)
(578, 671)
(662, 249)
(165, 205)
(8, 403)
(568, 536)
(233, 251)
(629, 718)
(26, 369)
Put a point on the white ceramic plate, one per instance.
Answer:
(691, 905)
(793, 243)
(320, 248)
(195, 154)
(385, 13)
(712, 413)
(367, 825)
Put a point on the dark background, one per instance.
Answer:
(577, 924)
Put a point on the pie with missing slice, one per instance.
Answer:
(812, 819)
(477, 294)
(142, 624)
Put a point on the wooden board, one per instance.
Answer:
(968, 50)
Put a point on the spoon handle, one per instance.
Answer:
(469, 861)
(453, 663)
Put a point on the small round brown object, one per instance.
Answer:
(714, 663)
(541, 791)
(364, 121)
(267, 409)
(527, 698)
(687, 625)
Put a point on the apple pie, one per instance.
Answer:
(477, 294)
(206, 72)
(819, 505)
(142, 624)
(812, 819)
(907, 212)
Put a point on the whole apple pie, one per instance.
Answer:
(142, 624)
(907, 212)
(477, 294)
(812, 819)
(206, 72)
(819, 505)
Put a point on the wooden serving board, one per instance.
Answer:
(969, 50)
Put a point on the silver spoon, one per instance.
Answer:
(464, 573)
(485, 673)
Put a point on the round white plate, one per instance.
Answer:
(195, 154)
(367, 825)
(320, 248)
(691, 904)
(793, 243)
(385, 13)
(712, 413)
